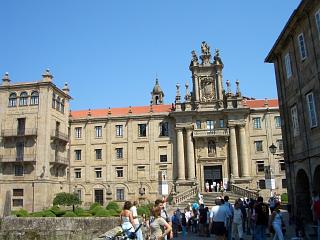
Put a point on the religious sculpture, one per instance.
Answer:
(205, 49)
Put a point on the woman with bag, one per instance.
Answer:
(276, 223)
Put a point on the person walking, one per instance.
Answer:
(134, 212)
(237, 228)
(127, 222)
(159, 227)
(229, 220)
(276, 223)
(261, 219)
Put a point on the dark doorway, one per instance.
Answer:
(98, 196)
(303, 196)
(213, 175)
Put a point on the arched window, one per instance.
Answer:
(62, 105)
(58, 103)
(53, 100)
(23, 99)
(34, 98)
(13, 100)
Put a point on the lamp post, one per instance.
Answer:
(268, 172)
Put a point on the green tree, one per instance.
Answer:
(66, 199)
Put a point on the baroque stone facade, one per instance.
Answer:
(296, 58)
(137, 153)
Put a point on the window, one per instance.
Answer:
(119, 153)
(302, 47)
(277, 121)
(34, 100)
(317, 16)
(295, 121)
(258, 146)
(17, 202)
(164, 129)
(98, 196)
(282, 165)
(78, 193)
(284, 183)
(53, 100)
(141, 168)
(120, 194)
(119, 130)
(17, 192)
(280, 145)
(210, 124)
(23, 99)
(98, 154)
(62, 105)
(77, 154)
(119, 172)
(198, 124)
(58, 103)
(262, 184)
(77, 172)
(13, 100)
(312, 110)
(98, 172)
(256, 122)
(260, 166)
(78, 131)
(98, 131)
(221, 123)
(163, 158)
(287, 63)
(142, 130)
(18, 170)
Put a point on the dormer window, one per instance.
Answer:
(23, 99)
(34, 98)
(13, 100)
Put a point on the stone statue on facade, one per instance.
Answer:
(194, 61)
(205, 49)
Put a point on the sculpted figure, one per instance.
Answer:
(205, 49)
(194, 58)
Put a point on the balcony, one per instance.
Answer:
(57, 135)
(59, 160)
(25, 158)
(19, 132)
(218, 132)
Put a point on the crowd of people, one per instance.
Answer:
(224, 220)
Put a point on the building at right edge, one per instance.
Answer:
(296, 58)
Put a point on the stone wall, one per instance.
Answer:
(13, 228)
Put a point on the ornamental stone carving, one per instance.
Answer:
(207, 89)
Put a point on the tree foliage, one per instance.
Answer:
(66, 199)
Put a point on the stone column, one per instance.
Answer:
(196, 87)
(180, 154)
(233, 152)
(243, 152)
(219, 84)
(190, 156)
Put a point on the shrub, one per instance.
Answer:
(66, 199)
(93, 205)
(69, 214)
(113, 213)
(57, 211)
(20, 213)
(36, 214)
(96, 209)
(48, 213)
(113, 205)
(102, 212)
(284, 198)
(80, 212)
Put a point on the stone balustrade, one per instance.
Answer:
(217, 132)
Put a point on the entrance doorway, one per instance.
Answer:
(213, 175)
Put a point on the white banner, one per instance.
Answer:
(270, 183)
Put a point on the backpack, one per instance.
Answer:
(316, 209)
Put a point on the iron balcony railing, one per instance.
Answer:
(18, 158)
(59, 135)
(58, 159)
(217, 132)
(19, 132)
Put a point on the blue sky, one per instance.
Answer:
(110, 51)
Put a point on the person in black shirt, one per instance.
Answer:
(262, 219)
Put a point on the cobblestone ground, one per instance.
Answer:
(289, 234)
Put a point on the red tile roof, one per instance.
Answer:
(261, 103)
(121, 111)
(118, 112)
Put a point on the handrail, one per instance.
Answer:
(183, 196)
(59, 135)
(18, 158)
(243, 192)
(19, 132)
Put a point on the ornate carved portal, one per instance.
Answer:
(207, 91)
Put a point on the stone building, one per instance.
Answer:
(139, 152)
(296, 58)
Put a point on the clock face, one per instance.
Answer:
(207, 89)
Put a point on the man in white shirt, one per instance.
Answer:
(134, 211)
(219, 216)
